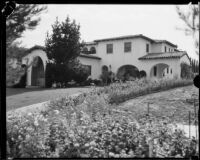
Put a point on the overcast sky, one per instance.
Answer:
(105, 21)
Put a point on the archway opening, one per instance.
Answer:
(92, 50)
(38, 74)
(142, 74)
(85, 50)
(128, 72)
(159, 70)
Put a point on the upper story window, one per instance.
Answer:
(147, 48)
(169, 50)
(127, 47)
(109, 48)
(165, 49)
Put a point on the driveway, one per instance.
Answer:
(20, 97)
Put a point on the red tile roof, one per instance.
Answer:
(163, 55)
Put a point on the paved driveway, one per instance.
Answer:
(16, 98)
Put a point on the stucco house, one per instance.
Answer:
(155, 58)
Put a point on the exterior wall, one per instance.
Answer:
(156, 48)
(28, 60)
(119, 58)
(95, 66)
(160, 47)
(173, 64)
(168, 46)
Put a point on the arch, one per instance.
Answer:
(85, 50)
(142, 74)
(159, 70)
(104, 68)
(37, 72)
(92, 50)
(127, 72)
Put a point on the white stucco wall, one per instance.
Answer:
(156, 47)
(168, 46)
(173, 64)
(119, 58)
(95, 66)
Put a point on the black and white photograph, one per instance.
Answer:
(102, 80)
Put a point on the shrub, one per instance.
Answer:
(186, 70)
(88, 126)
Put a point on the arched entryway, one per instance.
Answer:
(127, 72)
(37, 74)
(142, 74)
(159, 70)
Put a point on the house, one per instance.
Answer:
(125, 55)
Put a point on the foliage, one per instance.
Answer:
(57, 73)
(186, 70)
(62, 48)
(194, 65)
(64, 43)
(191, 19)
(14, 54)
(120, 92)
(14, 51)
(25, 16)
(87, 126)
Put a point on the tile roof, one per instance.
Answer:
(163, 55)
(124, 37)
(130, 37)
(164, 41)
(89, 56)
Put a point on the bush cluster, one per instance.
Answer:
(88, 126)
(120, 92)
(62, 73)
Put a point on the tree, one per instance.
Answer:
(25, 16)
(64, 43)
(63, 47)
(186, 70)
(191, 19)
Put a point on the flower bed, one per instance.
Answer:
(121, 92)
(88, 126)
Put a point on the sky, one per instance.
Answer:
(106, 21)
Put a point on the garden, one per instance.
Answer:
(93, 125)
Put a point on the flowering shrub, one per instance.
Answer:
(120, 92)
(89, 126)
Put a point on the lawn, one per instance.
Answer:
(20, 97)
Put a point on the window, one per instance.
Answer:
(167, 70)
(127, 47)
(109, 48)
(169, 50)
(165, 49)
(154, 70)
(147, 48)
(171, 71)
